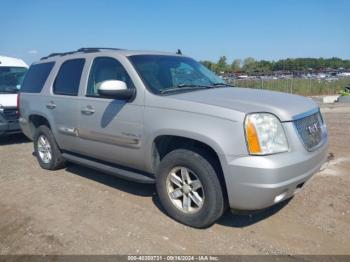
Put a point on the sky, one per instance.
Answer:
(203, 29)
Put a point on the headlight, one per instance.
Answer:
(264, 134)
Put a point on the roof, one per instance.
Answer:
(11, 61)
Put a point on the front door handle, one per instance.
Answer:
(51, 105)
(89, 110)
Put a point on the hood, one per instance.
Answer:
(8, 100)
(285, 106)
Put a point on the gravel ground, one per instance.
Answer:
(81, 211)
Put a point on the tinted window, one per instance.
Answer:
(36, 76)
(68, 77)
(106, 68)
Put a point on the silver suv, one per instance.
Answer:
(164, 118)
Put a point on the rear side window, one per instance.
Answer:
(36, 77)
(68, 77)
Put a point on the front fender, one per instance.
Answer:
(225, 137)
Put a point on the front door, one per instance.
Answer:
(110, 130)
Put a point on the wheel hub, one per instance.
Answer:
(44, 149)
(185, 190)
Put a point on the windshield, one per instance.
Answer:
(173, 73)
(11, 79)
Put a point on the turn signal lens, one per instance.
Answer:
(252, 138)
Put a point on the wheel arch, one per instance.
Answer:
(35, 120)
(167, 142)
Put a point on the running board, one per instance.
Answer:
(115, 171)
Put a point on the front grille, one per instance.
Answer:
(310, 130)
(10, 114)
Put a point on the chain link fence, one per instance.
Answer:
(305, 87)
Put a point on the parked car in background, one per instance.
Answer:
(164, 118)
(12, 71)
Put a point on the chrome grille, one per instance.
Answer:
(10, 114)
(310, 130)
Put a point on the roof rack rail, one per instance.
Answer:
(80, 50)
(58, 54)
(96, 49)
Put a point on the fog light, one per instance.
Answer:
(280, 197)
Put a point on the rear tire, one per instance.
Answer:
(46, 149)
(196, 204)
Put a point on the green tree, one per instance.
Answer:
(249, 65)
(221, 65)
(236, 65)
(263, 66)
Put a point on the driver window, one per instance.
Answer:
(103, 69)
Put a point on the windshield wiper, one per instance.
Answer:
(184, 87)
(223, 84)
(193, 86)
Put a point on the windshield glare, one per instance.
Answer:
(160, 72)
(11, 79)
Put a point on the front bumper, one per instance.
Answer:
(258, 182)
(8, 127)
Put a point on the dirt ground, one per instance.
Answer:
(81, 211)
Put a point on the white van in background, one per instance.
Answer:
(12, 71)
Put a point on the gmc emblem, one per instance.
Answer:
(313, 128)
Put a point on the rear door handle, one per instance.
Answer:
(51, 105)
(89, 110)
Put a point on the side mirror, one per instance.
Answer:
(115, 89)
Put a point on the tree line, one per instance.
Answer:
(252, 66)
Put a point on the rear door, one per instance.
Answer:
(110, 130)
(63, 104)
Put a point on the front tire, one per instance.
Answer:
(189, 188)
(46, 149)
